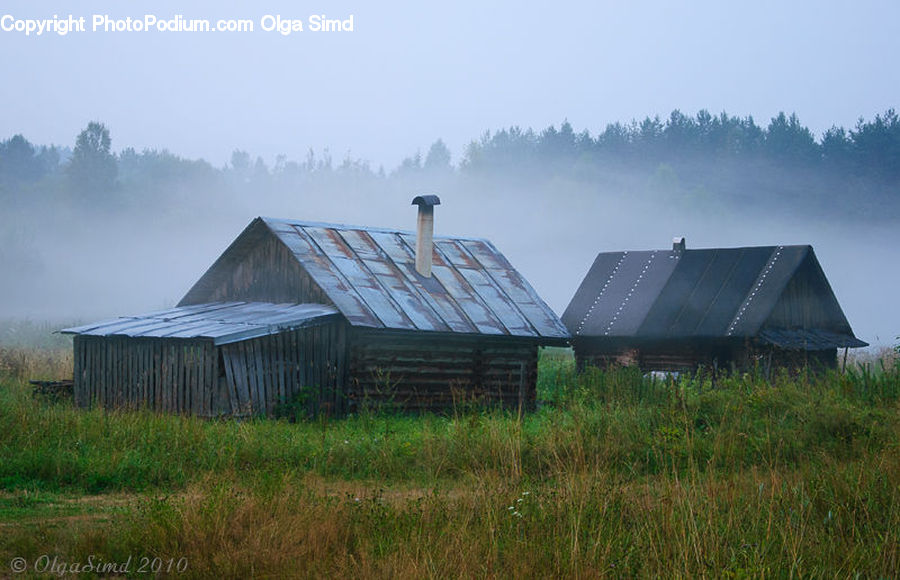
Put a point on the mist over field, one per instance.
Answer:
(139, 241)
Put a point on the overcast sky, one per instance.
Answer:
(411, 72)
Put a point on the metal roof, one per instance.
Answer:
(689, 293)
(369, 274)
(809, 339)
(223, 322)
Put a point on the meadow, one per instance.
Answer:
(614, 475)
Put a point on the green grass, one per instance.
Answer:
(615, 474)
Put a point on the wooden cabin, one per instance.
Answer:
(337, 317)
(678, 309)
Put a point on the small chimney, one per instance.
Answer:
(678, 245)
(425, 232)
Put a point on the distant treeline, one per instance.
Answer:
(696, 162)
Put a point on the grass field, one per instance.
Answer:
(615, 475)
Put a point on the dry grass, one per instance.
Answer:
(836, 520)
(620, 478)
(25, 363)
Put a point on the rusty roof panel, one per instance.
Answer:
(503, 308)
(486, 254)
(392, 244)
(439, 300)
(455, 255)
(485, 321)
(409, 240)
(407, 297)
(434, 296)
(369, 274)
(331, 281)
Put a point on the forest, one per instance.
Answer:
(93, 230)
(692, 162)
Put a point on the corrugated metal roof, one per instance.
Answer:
(686, 293)
(369, 274)
(223, 322)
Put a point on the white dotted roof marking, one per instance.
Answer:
(630, 292)
(756, 289)
(602, 290)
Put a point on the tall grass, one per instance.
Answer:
(614, 475)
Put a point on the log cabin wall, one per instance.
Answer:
(674, 355)
(434, 372)
(688, 355)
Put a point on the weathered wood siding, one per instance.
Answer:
(194, 377)
(332, 368)
(307, 364)
(808, 302)
(423, 371)
(176, 376)
(264, 270)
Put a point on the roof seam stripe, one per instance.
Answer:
(600, 294)
(631, 290)
(756, 288)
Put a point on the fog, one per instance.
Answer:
(85, 265)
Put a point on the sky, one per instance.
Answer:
(412, 72)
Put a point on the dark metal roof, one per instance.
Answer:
(223, 322)
(808, 339)
(688, 293)
(369, 274)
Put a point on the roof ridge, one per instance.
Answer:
(384, 230)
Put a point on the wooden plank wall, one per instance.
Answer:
(334, 368)
(263, 373)
(422, 372)
(808, 302)
(266, 272)
(164, 375)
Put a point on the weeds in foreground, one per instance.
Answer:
(615, 474)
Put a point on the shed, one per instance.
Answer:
(338, 316)
(674, 310)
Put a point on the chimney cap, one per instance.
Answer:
(427, 200)
(678, 243)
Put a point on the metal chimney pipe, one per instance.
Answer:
(425, 232)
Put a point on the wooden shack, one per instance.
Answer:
(678, 309)
(337, 316)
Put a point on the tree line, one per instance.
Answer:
(704, 159)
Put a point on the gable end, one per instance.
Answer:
(256, 267)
